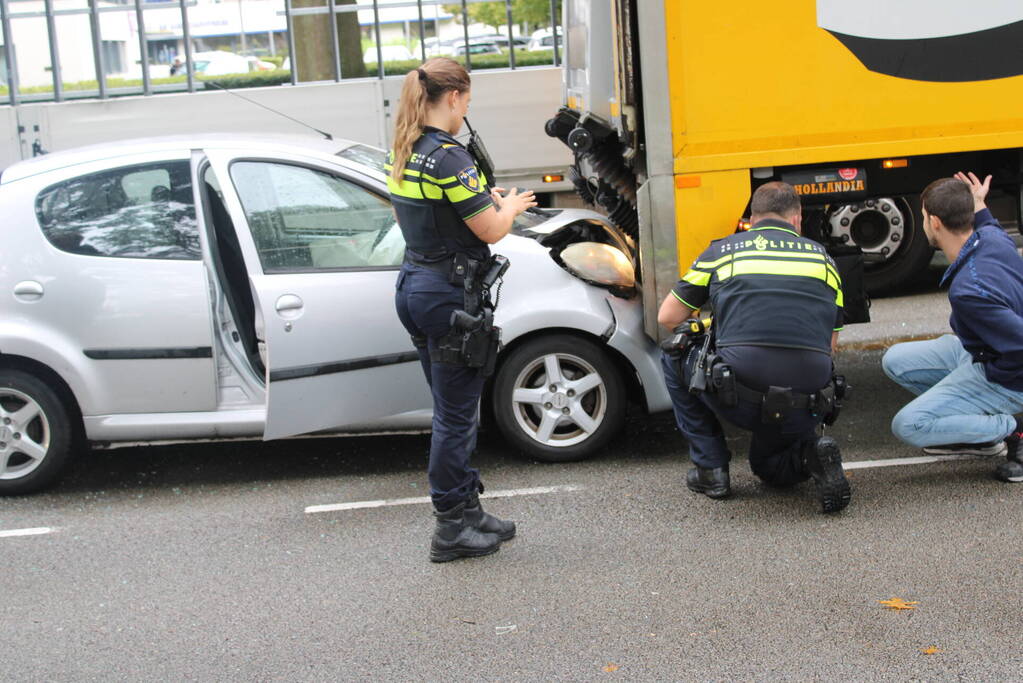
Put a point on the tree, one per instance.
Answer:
(314, 56)
(532, 12)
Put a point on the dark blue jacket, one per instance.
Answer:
(986, 294)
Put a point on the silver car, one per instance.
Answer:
(208, 287)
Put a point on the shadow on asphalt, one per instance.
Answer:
(863, 432)
(864, 426)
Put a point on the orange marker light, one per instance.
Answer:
(895, 163)
(743, 225)
(683, 181)
(553, 178)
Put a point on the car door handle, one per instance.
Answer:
(28, 290)
(289, 306)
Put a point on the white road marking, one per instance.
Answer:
(37, 531)
(363, 504)
(920, 460)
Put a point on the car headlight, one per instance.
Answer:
(599, 264)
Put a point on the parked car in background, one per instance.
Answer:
(389, 53)
(543, 39)
(477, 47)
(219, 63)
(501, 39)
(243, 286)
(257, 64)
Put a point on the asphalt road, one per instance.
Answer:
(200, 563)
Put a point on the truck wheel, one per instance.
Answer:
(889, 230)
(558, 398)
(35, 434)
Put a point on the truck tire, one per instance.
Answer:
(36, 433)
(892, 224)
(559, 398)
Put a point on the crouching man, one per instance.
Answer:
(765, 364)
(969, 385)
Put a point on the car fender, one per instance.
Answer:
(631, 341)
(48, 346)
(534, 277)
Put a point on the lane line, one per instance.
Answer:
(509, 493)
(37, 531)
(919, 460)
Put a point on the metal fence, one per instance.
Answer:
(102, 58)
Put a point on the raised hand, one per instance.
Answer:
(978, 189)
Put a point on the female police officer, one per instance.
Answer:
(447, 218)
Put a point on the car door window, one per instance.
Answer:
(307, 220)
(140, 211)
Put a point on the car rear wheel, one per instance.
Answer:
(558, 398)
(35, 433)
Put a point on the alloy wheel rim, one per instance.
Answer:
(559, 400)
(24, 434)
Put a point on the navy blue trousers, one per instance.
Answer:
(425, 300)
(774, 452)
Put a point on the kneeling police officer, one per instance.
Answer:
(448, 217)
(764, 361)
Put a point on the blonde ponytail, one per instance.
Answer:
(422, 87)
(409, 124)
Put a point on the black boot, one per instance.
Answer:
(456, 537)
(486, 522)
(1012, 469)
(823, 462)
(713, 483)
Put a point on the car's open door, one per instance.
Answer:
(322, 250)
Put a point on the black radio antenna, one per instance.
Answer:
(271, 109)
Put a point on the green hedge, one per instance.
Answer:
(253, 79)
(522, 58)
(262, 79)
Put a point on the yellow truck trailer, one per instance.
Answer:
(677, 109)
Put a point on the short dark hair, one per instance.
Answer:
(950, 200)
(775, 197)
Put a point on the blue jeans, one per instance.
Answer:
(775, 447)
(955, 402)
(424, 300)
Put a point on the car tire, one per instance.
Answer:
(36, 433)
(581, 415)
(913, 255)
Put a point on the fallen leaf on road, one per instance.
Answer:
(611, 667)
(899, 604)
(930, 650)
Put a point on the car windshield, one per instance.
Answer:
(532, 218)
(367, 156)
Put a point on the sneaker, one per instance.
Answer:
(823, 462)
(991, 448)
(1011, 472)
(1012, 469)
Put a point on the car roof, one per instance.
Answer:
(112, 150)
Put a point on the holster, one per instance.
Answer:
(473, 342)
(698, 379)
(722, 379)
(778, 402)
(828, 404)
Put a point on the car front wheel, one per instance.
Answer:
(558, 397)
(35, 433)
